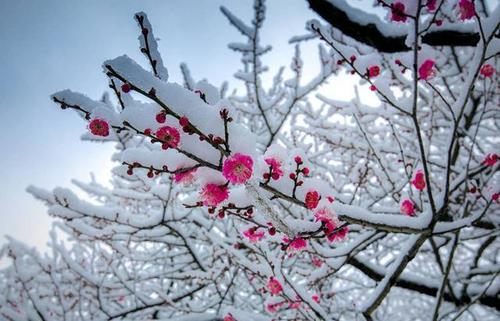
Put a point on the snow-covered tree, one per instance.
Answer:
(279, 202)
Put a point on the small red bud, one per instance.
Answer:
(298, 160)
(293, 176)
(147, 131)
(161, 117)
(305, 171)
(183, 121)
(126, 87)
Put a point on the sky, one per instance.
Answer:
(50, 45)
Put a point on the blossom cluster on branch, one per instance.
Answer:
(281, 203)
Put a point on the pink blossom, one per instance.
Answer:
(274, 286)
(99, 127)
(467, 10)
(273, 307)
(315, 298)
(407, 207)
(254, 235)
(275, 164)
(426, 71)
(328, 218)
(238, 168)
(398, 12)
(431, 5)
(185, 177)
(229, 317)
(494, 197)
(294, 304)
(490, 159)
(213, 194)
(373, 71)
(169, 136)
(487, 71)
(312, 199)
(419, 180)
(298, 244)
(339, 235)
(317, 261)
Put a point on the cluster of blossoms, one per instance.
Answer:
(466, 10)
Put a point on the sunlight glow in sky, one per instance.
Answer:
(56, 44)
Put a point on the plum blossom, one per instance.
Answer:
(273, 307)
(161, 117)
(338, 235)
(487, 71)
(238, 168)
(419, 180)
(99, 127)
(185, 177)
(274, 286)
(398, 12)
(229, 317)
(213, 194)
(315, 298)
(298, 244)
(490, 159)
(312, 199)
(495, 197)
(467, 10)
(317, 262)
(431, 5)
(373, 71)
(169, 136)
(254, 235)
(328, 218)
(276, 171)
(426, 71)
(407, 207)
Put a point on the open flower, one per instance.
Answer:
(338, 235)
(274, 286)
(373, 71)
(312, 199)
(328, 218)
(169, 136)
(238, 168)
(407, 207)
(213, 194)
(431, 5)
(419, 180)
(298, 244)
(275, 164)
(99, 127)
(398, 12)
(467, 10)
(426, 69)
(185, 177)
(254, 235)
(487, 71)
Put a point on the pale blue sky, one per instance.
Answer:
(51, 45)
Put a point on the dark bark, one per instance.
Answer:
(490, 301)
